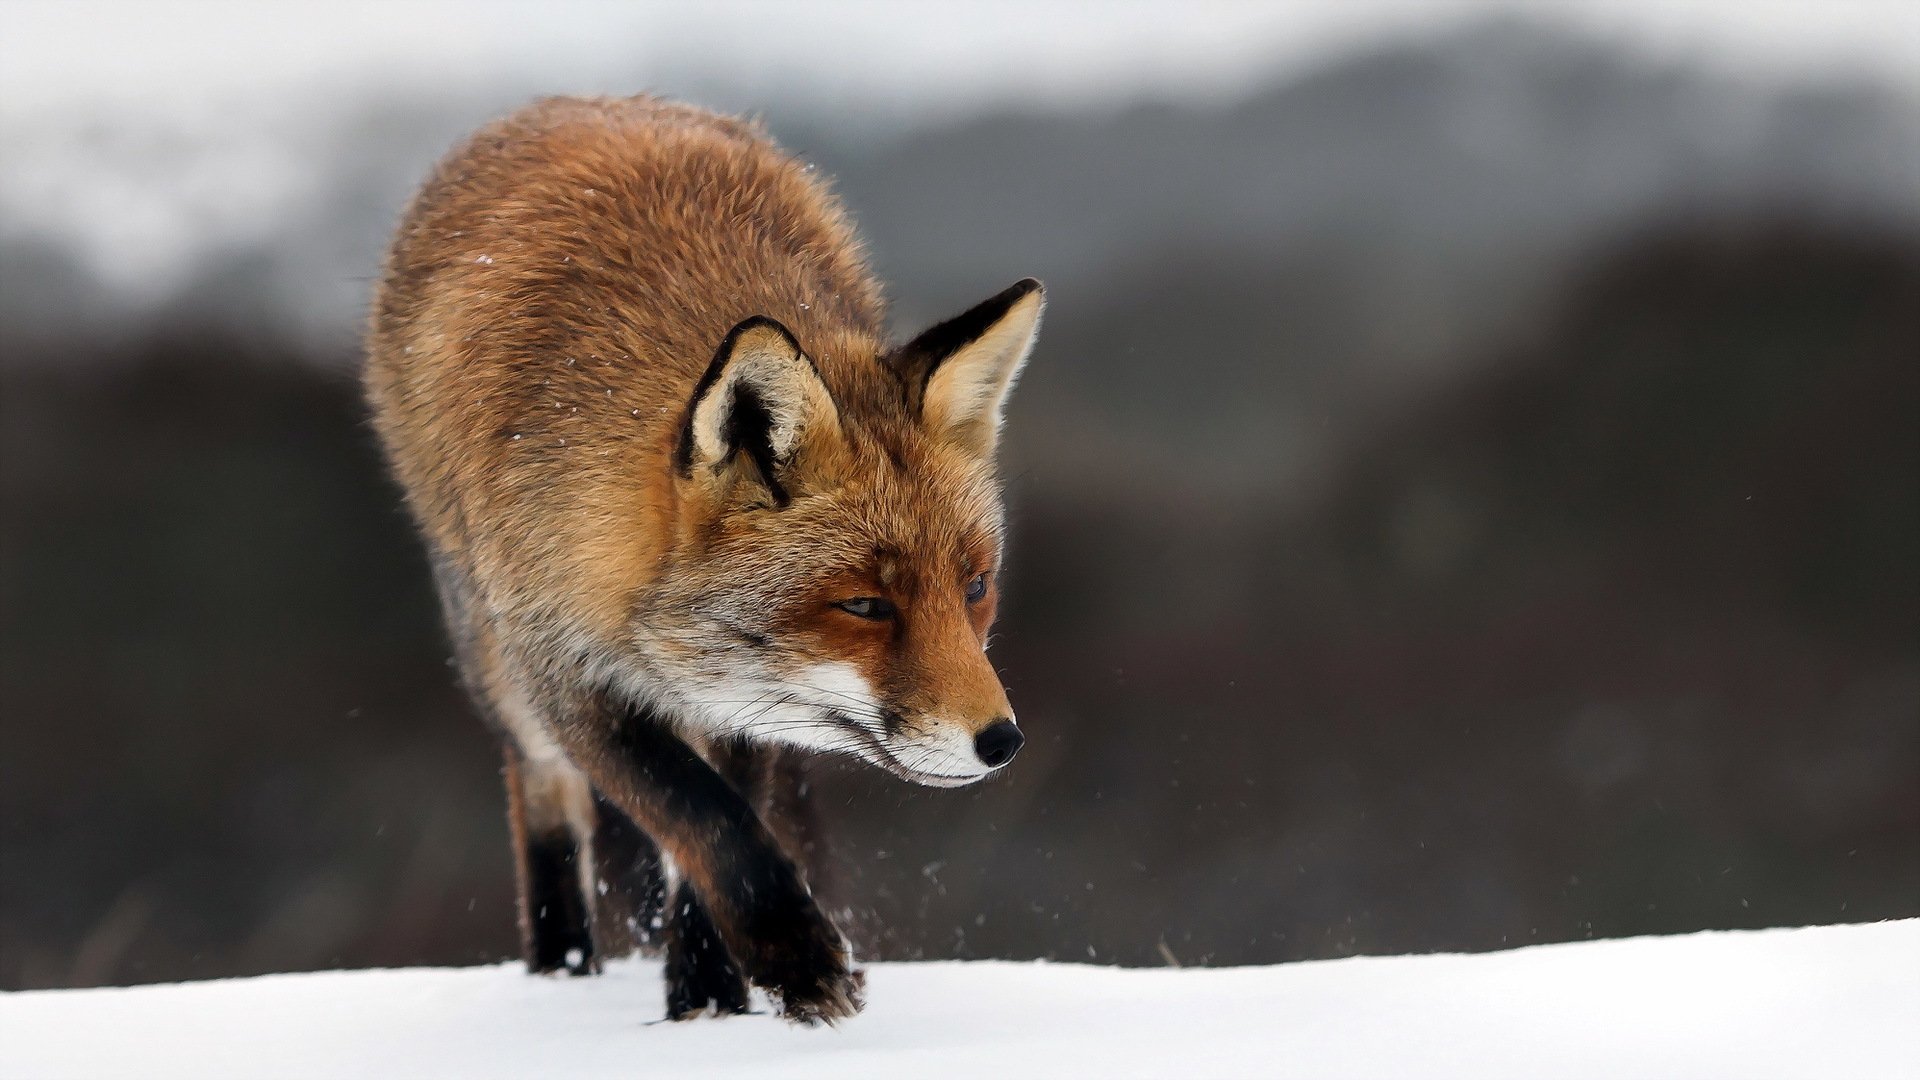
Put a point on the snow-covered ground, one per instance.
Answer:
(1840, 1001)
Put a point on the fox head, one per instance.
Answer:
(836, 562)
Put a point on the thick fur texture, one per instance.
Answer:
(687, 506)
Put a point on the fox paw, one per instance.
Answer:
(810, 974)
(827, 1000)
(700, 993)
(702, 981)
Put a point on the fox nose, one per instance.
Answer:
(998, 742)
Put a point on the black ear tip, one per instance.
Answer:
(1026, 287)
(755, 325)
(758, 322)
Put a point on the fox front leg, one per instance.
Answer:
(753, 894)
(701, 974)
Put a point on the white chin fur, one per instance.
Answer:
(794, 712)
(830, 708)
(928, 762)
(938, 780)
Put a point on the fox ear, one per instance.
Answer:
(963, 369)
(760, 400)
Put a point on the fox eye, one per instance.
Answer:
(868, 607)
(977, 588)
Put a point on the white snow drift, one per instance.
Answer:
(1820, 1002)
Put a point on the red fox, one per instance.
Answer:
(687, 507)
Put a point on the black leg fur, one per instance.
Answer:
(700, 972)
(558, 923)
(701, 975)
(631, 910)
(753, 894)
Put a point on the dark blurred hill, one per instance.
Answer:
(1726, 413)
(1463, 497)
(233, 740)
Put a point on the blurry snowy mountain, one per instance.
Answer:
(1412, 176)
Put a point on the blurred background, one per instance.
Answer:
(1467, 493)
